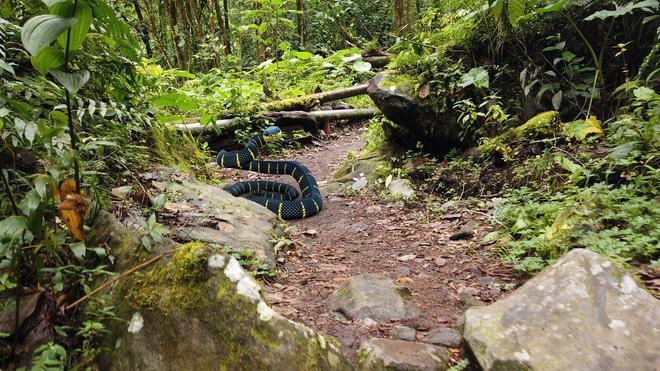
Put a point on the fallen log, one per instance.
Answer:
(308, 120)
(306, 102)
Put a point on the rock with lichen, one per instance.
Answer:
(204, 212)
(582, 313)
(385, 354)
(198, 309)
(373, 296)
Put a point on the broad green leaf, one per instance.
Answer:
(38, 32)
(622, 151)
(361, 66)
(176, 100)
(83, 15)
(12, 228)
(72, 81)
(567, 164)
(42, 184)
(303, 55)
(580, 129)
(516, 10)
(476, 76)
(647, 6)
(6, 66)
(643, 93)
(49, 58)
(78, 249)
(556, 100)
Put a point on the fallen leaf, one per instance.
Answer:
(403, 279)
(311, 232)
(67, 187)
(425, 91)
(72, 212)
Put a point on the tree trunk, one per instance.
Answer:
(221, 25)
(227, 29)
(156, 35)
(172, 22)
(300, 6)
(398, 16)
(142, 27)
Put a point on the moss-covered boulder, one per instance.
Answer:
(414, 121)
(199, 310)
(368, 164)
(582, 313)
(544, 125)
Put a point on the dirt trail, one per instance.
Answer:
(362, 234)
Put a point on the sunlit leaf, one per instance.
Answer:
(48, 58)
(476, 76)
(580, 129)
(83, 15)
(175, 100)
(361, 66)
(556, 100)
(38, 32)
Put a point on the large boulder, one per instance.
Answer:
(414, 120)
(373, 296)
(204, 212)
(385, 354)
(582, 313)
(198, 309)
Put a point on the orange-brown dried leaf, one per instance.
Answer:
(72, 213)
(67, 187)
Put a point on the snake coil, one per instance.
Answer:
(279, 198)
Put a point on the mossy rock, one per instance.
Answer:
(543, 125)
(198, 309)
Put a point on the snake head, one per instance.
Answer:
(271, 130)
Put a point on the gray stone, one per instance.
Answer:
(206, 213)
(445, 336)
(440, 261)
(403, 333)
(466, 231)
(401, 188)
(374, 296)
(199, 310)
(359, 183)
(582, 313)
(399, 355)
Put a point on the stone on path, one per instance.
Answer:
(385, 354)
(582, 313)
(373, 296)
(403, 333)
(197, 309)
(401, 188)
(445, 336)
(466, 231)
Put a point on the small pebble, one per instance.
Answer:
(403, 333)
(440, 262)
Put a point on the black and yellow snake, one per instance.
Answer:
(280, 198)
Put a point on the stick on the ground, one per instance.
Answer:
(117, 278)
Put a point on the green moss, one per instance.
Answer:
(543, 125)
(291, 103)
(174, 148)
(181, 283)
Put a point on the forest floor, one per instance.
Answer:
(364, 234)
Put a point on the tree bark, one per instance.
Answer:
(142, 27)
(308, 101)
(300, 6)
(227, 29)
